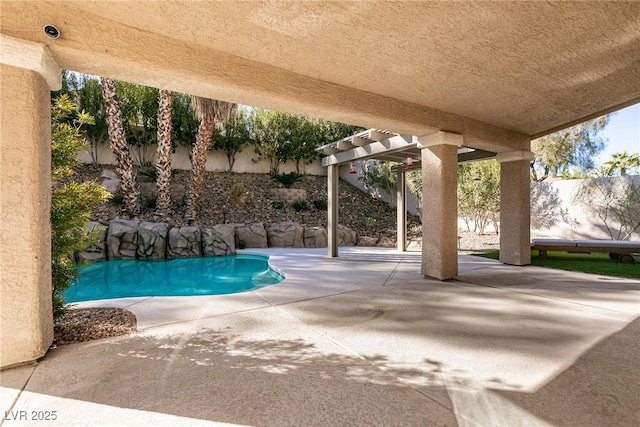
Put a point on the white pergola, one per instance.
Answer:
(376, 144)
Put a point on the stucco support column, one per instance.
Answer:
(332, 210)
(401, 210)
(515, 207)
(27, 73)
(439, 154)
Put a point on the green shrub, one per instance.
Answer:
(299, 205)
(116, 199)
(150, 203)
(150, 173)
(71, 202)
(286, 179)
(320, 204)
(277, 204)
(369, 221)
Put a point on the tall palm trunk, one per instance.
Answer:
(163, 167)
(210, 112)
(129, 186)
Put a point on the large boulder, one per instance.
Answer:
(218, 240)
(251, 235)
(315, 237)
(122, 239)
(152, 240)
(148, 190)
(108, 174)
(367, 241)
(111, 185)
(97, 251)
(285, 235)
(387, 242)
(184, 242)
(346, 236)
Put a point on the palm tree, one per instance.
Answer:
(622, 162)
(210, 112)
(129, 186)
(163, 167)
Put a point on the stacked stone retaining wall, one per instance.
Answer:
(133, 239)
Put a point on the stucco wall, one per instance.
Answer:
(581, 220)
(26, 322)
(247, 161)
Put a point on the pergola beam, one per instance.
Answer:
(372, 150)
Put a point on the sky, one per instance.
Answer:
(623, 133)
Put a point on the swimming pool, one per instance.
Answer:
(176, 277)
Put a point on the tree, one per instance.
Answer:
(84, 90)
(622, 163)
(479, 194)
(139, 109)
(163, 166)
(184, 123)
(232, 136)
(576, 146)
(210, 112)
(281, 137)
(129, 186)
(378, 175)
(71, 202)
(269, 134)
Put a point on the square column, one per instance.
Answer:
(27, 73)
(401, 210)
(440, 204)
(515, 207)
(332, 210)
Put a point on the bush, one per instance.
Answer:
(237, 194)
(71, 202)
(150, 203)
(320, 204)
(116, 199)
(286, 179)
(150, 173)
(277, 204)
(299, 205)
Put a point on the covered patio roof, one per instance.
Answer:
(386, 146)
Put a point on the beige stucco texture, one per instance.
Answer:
(493, 72)
(26, 326)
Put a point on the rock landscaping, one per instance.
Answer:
(263, 202)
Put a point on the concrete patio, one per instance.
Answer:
(362, 339)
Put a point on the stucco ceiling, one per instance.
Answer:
(496, 70)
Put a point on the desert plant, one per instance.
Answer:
(151, 202)
(277, 204)
(71, 202)
(151, 174)
(369, 221)
(299, 205)
(237, 194)
(286, 179)
(116, 199)
(320, 204)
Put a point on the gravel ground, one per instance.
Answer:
(364, 214)
(79, 325)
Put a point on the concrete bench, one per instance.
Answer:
(621, 250)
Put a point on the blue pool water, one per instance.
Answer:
(176, 277)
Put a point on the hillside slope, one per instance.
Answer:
(359, 211)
